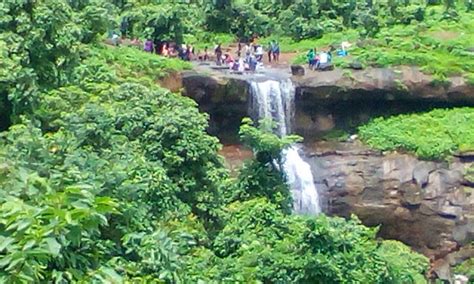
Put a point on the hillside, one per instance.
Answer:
(107, 177)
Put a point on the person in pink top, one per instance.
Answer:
(164, 50)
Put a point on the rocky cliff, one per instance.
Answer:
(224, 98)
(427, 205)
(327, 100)
(398, 83)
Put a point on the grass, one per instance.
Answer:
(432, 135)
(133, 62)
(470, 79)
(437, 47)
(336, 135)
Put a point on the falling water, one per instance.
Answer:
(275, 100)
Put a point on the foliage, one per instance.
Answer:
(336, 135)
(262, 176)
(41, 41)
(437, 46)
(106, 142)
(404, 266)
(108, 178)
(470, 79)
(129, 63)
(466, 268)
(431, 135)
(261, 244)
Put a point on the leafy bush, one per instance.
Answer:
(107, 178)
(261, 176)
(404, 265)
(259, 243)
(431, 135)
(107, 166)
(466, 268)
(470, 79)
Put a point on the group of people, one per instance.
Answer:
(169, 49)
(322, 60)
(249, 56)
(318, 60)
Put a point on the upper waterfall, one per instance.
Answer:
(274, 100)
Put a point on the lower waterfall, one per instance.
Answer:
(275, 100)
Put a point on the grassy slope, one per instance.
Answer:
(431, 135)
(133, 62)
(438, 47)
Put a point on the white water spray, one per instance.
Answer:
(275, 100)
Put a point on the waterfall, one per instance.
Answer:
(275, 100)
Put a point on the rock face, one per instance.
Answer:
(327, 96)
(421, 203)
(224, 98)
(404, 83)
(324, 98)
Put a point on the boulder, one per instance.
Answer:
(326, 67)
(297, 70)
(356, 65)
(412, 195)
(449, 211)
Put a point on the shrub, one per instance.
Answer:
(431, 135)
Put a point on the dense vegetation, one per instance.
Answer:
(435, 35)
(431, 135)
(108, 178)
(439, 46)
(113, 179)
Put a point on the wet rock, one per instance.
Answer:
(326, 67)
(399, 167)
(442, 270)
(404, 214)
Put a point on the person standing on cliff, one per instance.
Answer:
(218, 53)
(276, 51)
(310, 58)
(270, 52)
(124, 27)
(148, 47)
(206, 54)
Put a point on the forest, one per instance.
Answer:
(107, 177)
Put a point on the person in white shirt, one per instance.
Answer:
(259, 53)
(323, 58)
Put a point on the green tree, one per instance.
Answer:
(262, 176)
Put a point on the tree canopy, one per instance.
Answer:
(108, 178)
